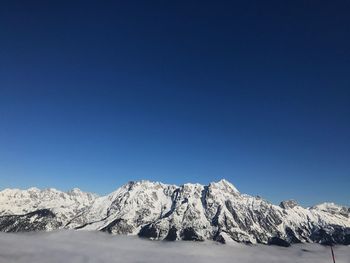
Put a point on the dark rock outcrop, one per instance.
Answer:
(189, 234)
(39, 220)
(278, 242)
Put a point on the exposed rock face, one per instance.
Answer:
(217, 212)
(43, 220)
(278, 242)
(288, 204)
(65, 205)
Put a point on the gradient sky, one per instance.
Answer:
(96, 93)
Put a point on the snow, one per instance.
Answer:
(239, 216)
(64, 204)
(83, 247)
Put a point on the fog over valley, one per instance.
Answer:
(91, 246)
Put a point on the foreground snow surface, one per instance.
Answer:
(82, 246)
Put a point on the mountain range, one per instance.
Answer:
(217, 211)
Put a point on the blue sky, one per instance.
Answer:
(93, 95)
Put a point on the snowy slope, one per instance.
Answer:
(65, 205)
(217, 211)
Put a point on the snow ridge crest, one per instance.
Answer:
(217, 211)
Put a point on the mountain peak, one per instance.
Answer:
(224, 184)
(288, 204)
(155, 210)
(75, 191)
(33, 189)
(332, 208)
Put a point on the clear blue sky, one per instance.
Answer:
(96, 93)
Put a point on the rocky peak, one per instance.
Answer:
(188, 212)
(288, 204)
(332, 208)
(225, 186)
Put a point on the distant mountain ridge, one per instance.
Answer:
(217, 211)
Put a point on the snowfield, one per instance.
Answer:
(90, 247)
(217, 211)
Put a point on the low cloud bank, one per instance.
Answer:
(91, 247)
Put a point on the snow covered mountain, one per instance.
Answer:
(217, 211)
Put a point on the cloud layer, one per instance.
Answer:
(91, 247)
